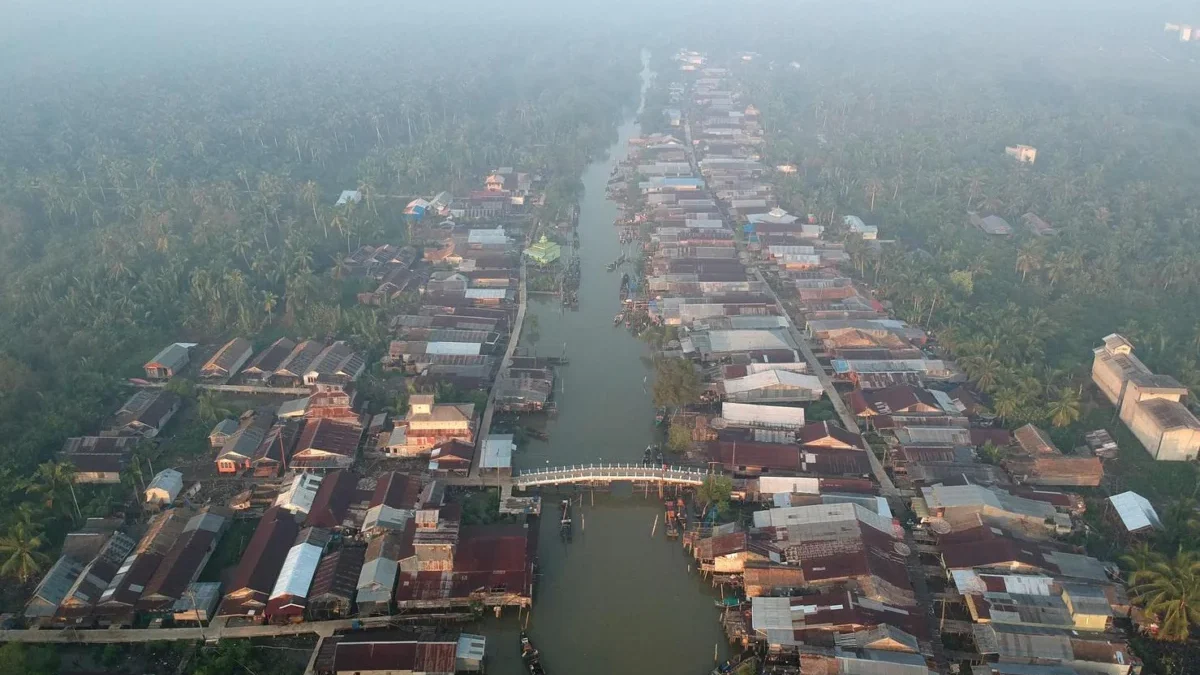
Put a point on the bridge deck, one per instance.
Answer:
(591, 473)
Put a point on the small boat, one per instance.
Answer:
(565, 526)
(531, 656)
(660, 417)
(536, 433)
(611, 267)
(618, 317)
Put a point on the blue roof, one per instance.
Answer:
(840, 365)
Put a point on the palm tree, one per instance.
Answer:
(55, 480)
(23, 549)
(1064, 408)
(1170, 591)
(1180, 522)
(210, 407)
(1140, 557)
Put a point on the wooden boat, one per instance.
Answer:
(566, 527)
(618, 317)
(531, 657)
(536, 433)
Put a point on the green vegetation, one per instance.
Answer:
(28, 660)
(679, 438)
(1169, 590)
(676, 383)
(716, 489)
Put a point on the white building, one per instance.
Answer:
(165, 487)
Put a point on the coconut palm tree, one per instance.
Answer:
(210, 407)
(1169, 590)
(1064, 408)
(23, 550)
(55, 480)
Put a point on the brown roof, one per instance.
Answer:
(397, 490)
(454, 451)
(326, 435)
(269, 359)
(227, 356)
(823, 432)
(337, 574)
(263, 558)
(393, 651)
(1035, 441)
(332, 500)
(892, 400)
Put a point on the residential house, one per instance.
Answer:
(81, 598)
(772, 386)
(263, 366)
(79, 549)
(221, 432)
(388, 652)
(273, 453)
(228, 360)
(336, 361)
(427, 423)
(393, 503)
(98, 459)
(164, 488)
(452, 457)
(495, 457)
(993, 224)
(493, 565)
(182, 564)
(296, 364)
(167, 363)
(331, 503)
(377, 578)
(325, 445)
(118, 600)
(1036, 225)
(768, 417)
(289, 597)
(147, 412)
(252, 582)
(1134, 514)
(993, 505)
(198, 603)
(298, 499)
(333, 586)
(238, 452)
(1037, 461)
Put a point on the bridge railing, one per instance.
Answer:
(616, 471)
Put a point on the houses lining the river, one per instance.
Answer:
(315, 507)
(979, 573)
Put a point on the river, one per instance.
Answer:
(615, 600)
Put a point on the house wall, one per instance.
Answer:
(1108, 379)
(106, 477)
(1179, 445)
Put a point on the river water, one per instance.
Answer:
(615, 600)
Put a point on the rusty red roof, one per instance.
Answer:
(332, 500)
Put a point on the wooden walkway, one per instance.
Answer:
(485, 424)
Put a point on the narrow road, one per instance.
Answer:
(485, 423)
(916, 573)
(885, 482)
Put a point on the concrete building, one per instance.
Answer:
(1151, 405)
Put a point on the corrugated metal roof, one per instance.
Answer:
(298, 569)
(773, 378)
(1135, 511)
(486, 293)
(744, 414)
(497, 451)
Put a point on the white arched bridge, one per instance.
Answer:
(609, 473)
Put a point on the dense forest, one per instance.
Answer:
(172, 178)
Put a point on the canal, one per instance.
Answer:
(615, 600)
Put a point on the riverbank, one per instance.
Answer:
(615, 600)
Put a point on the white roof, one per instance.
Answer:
(779, 250)
(298, 569)
(496, 236)
(745, 414)
(487, 293)
(293, 408)
(167, 480)
(824, 513)
(453, 348)
(348, 196)
(968, 581)
(378, 572)
(771, 613)
(1135, 511)
(772, 378)
(745, 340)
(299, 497)
(386, 517)
(471, 647)
(773, 485)
(497, 451)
